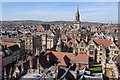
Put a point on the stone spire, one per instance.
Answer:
(77, 16)
(77, 10)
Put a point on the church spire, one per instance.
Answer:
(77, 11)
(77, 16)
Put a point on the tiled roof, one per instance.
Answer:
(8, 44)
(65, 29)
(104, 42)
(72, 40)
(49, 32)
(40, 28)
(65, 57)
(118, 43)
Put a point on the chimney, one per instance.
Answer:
(48, 60)
(74, 52)
(44, 39)
(48, 57)
(77, 66)
(86, 38)
(44, 48)
(113, 38)
(5, 46)
(76, 70)
(56, 71)
(30, 62)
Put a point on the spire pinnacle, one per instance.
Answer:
(77, 15)
(77, 10)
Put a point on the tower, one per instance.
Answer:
(77, 16)
(44, 42)
(77, 20)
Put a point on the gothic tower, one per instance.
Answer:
(76, 24)
(77, 16)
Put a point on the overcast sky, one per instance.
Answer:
(56, 11)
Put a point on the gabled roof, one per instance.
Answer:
(65, 57)
(72, 40)
(65, 29)
(104, 42)
(118, 43)
(40, 28)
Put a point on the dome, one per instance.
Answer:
(59, 43)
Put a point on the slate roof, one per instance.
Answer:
(14, 48)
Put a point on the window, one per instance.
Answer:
(91, 52)
(91, 46)
(100, 53)
(82, 44)
(116, 52)
(99, 62)
(101, 49)
(112, 47)
(77, 34)
(75, 44)
(91, 59)
(76, 26)
(81, 49)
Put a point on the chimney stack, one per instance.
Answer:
(56, 71)
(74, 52)
(48, 57)
(87, 38)
(44, 48)
(113, 38)
(76, 70)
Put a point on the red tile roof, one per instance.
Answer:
(72, 40)
(104, 42)
(118, 43)
(64, 57)
(8, 44)
(40, 28)
(65, 29)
